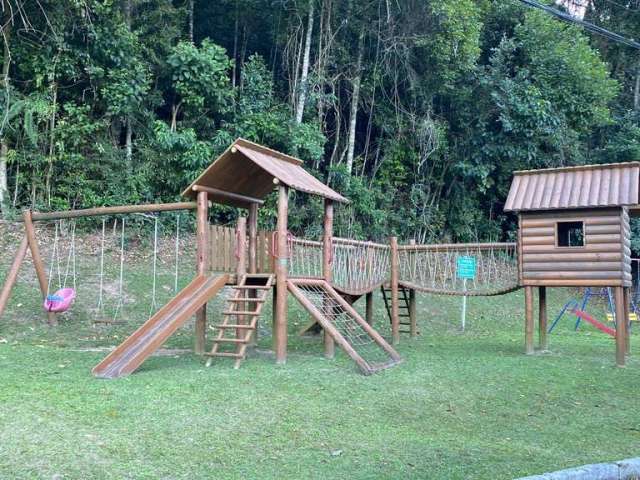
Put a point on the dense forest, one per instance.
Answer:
(418, 111)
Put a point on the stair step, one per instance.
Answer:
(230, 340)
(224, 354)
(223, 326)
(252, 287)
(240, 312)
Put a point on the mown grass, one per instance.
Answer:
(461, 405)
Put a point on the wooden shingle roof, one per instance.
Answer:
(249, 169)
(585, 186)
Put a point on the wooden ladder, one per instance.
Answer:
(240, 318)
(403, 307)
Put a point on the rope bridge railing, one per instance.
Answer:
(358, 266)
(433, 268)
(305, 258)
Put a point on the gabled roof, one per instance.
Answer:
(585, 186)
(249, 169)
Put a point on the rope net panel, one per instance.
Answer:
(432, 268)
(322, 301)
(305, 258)
(359, 267)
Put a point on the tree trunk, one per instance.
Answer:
(129, 143)
(304, 76)
(636, 92)
(355, 97)
(4, 147)
(51, 150)
(191, 6)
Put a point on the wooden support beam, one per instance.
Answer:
(327, 254)
(543, 342)
(621, 328)
(369, 308)
(122, 209)
(528, 322)
(413, 322)
(253, 256)
(241, 271)
(281, 270)
(627, 311)
(395, 306)
(225, 194)
(13, 273)
(202, 263)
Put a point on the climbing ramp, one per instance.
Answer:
(155, 331)
(340, 320)
(240, 318)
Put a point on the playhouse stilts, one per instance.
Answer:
(529, 321)
(202, 263)
(369, 308)
(281, 267)
(395, 310)
(543, 342)
(626, 319)
(621, 328)
(327, 253)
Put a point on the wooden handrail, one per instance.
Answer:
(97, 211)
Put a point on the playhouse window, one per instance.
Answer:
(570, 234)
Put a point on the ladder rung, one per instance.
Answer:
(252, 287)
(230, 340)
(224, 354)
(240, 312)
(245, 300)
(246, 327)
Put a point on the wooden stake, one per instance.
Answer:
(528, 322)
(327, 253)
(395, 316)
(542, 319)
(13, 273)
(369, 308)
(202, 266)
(621, 327)
(413, 321)
(253, 255)
(281, 267)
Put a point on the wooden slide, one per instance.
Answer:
(155, 331)
(351, 332)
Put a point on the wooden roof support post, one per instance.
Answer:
(37, 260)
(202, 265)
(241, 271)
(281, 269)
(627, 311)
(413, 321)
(543, 341)
(528, 320)
(327, 254)
(395, 316)
(253, 255)
(621, 328)
(13, 273)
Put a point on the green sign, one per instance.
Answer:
(466, 267)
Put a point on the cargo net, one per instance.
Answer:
(434, 268)
(374, 356)
(359, 267)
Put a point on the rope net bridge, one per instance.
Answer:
(433, 268)
(357, 267)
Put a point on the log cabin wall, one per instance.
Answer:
(603, 260)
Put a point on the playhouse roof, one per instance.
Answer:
(587, 186)
(249, 170)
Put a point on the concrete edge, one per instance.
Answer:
(628, 469)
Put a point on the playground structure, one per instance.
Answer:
(574, 231)
(328, 276)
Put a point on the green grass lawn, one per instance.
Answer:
(461, 405)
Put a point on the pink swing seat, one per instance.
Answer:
(60, 301)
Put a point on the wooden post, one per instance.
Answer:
(253, 255)
(542, 319)
(202, 265)
(413, 321)
(241, 270)
(627, 311)
(37, 261)
(395, 316)
(13, 273)
(327, 253)
(281, 267)
(621, 327)
(369, 308)
(528, 322)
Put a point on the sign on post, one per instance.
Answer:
(465, 270)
